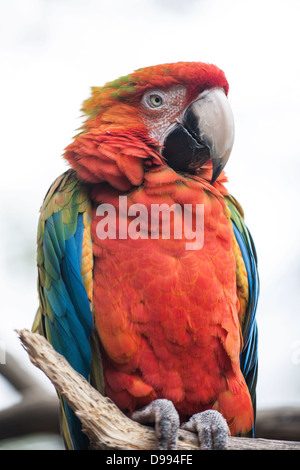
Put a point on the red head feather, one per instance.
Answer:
(114, 144)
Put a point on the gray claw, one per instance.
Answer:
(162, 412)
(212, 429)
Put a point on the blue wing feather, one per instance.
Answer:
(68, 301)
(65, 316)
(249, 354)
(69, 325)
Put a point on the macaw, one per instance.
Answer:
(166, 330)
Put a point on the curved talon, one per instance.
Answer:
(162, 412)
(212, 429)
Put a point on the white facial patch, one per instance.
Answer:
(160, 118)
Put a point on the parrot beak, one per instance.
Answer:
(206, 132)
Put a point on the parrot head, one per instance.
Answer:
(179, 112)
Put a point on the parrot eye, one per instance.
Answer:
(153, 99)
(156, 100)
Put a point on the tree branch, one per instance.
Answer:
(37, 411)
(105, 425)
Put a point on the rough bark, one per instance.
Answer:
(105, 425)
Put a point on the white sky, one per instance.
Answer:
(53, 51)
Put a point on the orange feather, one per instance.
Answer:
(169, 316)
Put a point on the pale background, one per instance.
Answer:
(53, 51)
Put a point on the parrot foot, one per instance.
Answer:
(162, 412)
(212, 429)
